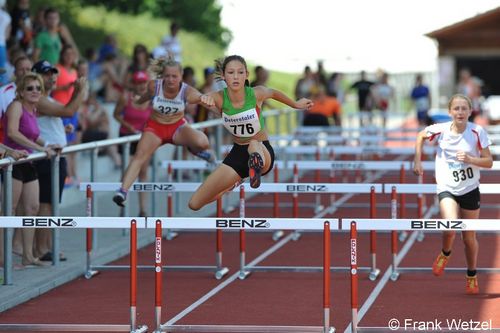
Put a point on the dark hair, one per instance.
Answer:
(220, 65)
(49, 11)
(188, 71)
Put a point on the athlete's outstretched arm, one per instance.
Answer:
(193, 96)
(263, 93)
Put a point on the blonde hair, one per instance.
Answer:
(25, 79)
(157, 66)
(454, 97)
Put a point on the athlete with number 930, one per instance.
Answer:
(240, 108)
(462, 149)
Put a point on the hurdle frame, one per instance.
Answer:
(86, 223)
(408, 225)
(430, 189)
(325, 225)
(218, 269)
(372, 189)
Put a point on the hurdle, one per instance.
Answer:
(429, 189)
(294, 189)
(84, 222)
(218, 269)
(406, 225)
(251, 224)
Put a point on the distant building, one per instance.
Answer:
(474, 44)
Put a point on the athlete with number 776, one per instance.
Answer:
(240, 108)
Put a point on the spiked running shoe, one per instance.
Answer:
(120, 197)
(471, 286)
(255, 165)
(440, 264)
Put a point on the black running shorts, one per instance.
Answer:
(238, 158)
(469, 201)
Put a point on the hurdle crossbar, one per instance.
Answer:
(252, 224)
(218, 270)
(432, 188)
(264, 187)
(84, 222)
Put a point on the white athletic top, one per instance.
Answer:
(7, 95)
(52, 128)
(166, 106)
(451, 175)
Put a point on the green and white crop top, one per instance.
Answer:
(167, 106)
(244, 122)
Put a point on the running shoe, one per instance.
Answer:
(471, 286)
(120, 197)
(440, 264)
(255, 165)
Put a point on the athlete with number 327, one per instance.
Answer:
(462, 149)
(240, 108)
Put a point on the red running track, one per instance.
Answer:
(280, 298)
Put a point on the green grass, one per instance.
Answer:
(197, 51)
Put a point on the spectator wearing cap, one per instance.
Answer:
(132, 118)
(140, 61)
(52, 130)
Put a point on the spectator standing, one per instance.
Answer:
(170, 45)
(52, 131)
(62, 93)
(140, 61)
(48, 43)
(23, 133)
(383, 94)
(261, 77)
(305, 85)
(132, 118)
(22, 65)
(324, 108)
(22, 30)
(421, 97)
(363, 89)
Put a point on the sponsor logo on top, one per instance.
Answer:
(49, 222)
(348, 166)
(437, 225)
(242, 224)
(165, 187)
(306, 188)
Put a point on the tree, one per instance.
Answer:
(201, 16)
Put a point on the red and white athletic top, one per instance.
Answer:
(451, 175)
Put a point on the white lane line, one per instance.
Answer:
(230, 279)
